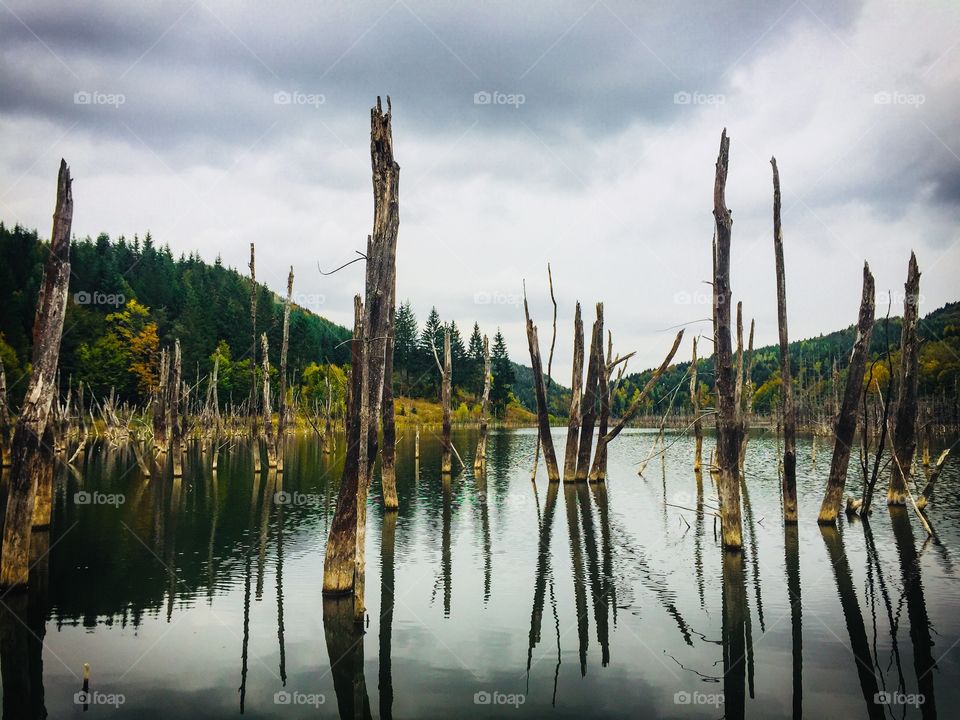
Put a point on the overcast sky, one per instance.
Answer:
(580, 133)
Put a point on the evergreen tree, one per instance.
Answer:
(405, 343)
(503, 376)
(474, 362)
(458, 356)
(428, 382)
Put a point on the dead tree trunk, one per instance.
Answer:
(4, 421)
(927, 492)
(846, 426)
(253, 350)
(787, 408)
(282, 415)
(589, 408)
(695, 404)
(746, 399)
(267, 409)
(161, 435)
(25, 452)
(43, 502)
(480, 461)
(728, 429)
(573, 422)
(340, 557)
(904, 443)
(543, 412)
(598, 471)
(173, 412)
(446, 459)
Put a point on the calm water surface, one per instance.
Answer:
(487, 597)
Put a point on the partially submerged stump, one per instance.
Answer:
(480, 461)
(573, 423)
(695, 404)
(282, 414)
(543, 413)
(905, 426)
(25, 452)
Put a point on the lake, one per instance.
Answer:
(487, 597)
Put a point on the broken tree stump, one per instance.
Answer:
(904, 443)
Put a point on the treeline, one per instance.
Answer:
(129, 298)
(819, 369)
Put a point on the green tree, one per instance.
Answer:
(405, 343)
(474, 381)
(503, 376)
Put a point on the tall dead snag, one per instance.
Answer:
(695, 404)
(728, 428)
(282, 415)
(160, 398)
(846, 426)
(573, 422)
(25, 452)
(380, 296)
(173, 411)
(905, 428)
(631, 412)
(446, 460)
(267, 409)
(339, 560)
(253, 334)
(746, 398)
(543, 412)
(787, 409)
(600, 461)
(480, 461)
(588, 417)
(4, 421)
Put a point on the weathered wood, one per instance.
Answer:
(161, 432)
(43, 502)
(282, 410)
(588, 417)
(573, 422)
(340, 555)
(480, 461)
(846, 426)
(598, 470)
(4, 421)
(728, 428)
(446, 460)
(543, 412)
(746, 398)
(25, 452)
(927, 491)
(173, 410)
(695, 404)
(267, 408)
(904, 441)
(787, 408)
(253, 349)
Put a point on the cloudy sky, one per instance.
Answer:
(580, 133)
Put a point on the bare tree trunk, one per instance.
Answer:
(695, 404)
(253, 350)
(905, 428)
(787, 407)
(728, 428)
(161, 433)
(267, 409)
(589, 408)
(446, 460)
(25, 452)
(573, 422)
(846, 426)
(747, 399)
(4, 421)
(598, 471)
(480, 461)
(543, 413)
(340, 558)
(43, 503)
(282, 416)
(927, 492)
(173, 412)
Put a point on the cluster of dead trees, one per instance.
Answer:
(733, 406)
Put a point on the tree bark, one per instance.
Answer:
(573, 422)
(173, 410)
(905, 425)
(446, 459)
(480, 461)
(161, 433)
(253, 333)
(927, 492)
(598, 470)
(746, 398)
(589, 408)
(846, 426)
(340, 556)
(787, 408)
(728, 429)
(267, 409)
(282, 414)
(25, 452)
(543, 413)
(4, 421)
(695, 404)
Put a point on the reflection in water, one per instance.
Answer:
(923, 662)
(853, 616)
(387, 537)
(791, 549)
(598, 582)
(280, 629)
(446, 561)
(481, 486)
(345, 651)
(542, 575)
(734, 601)
(576, 556)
